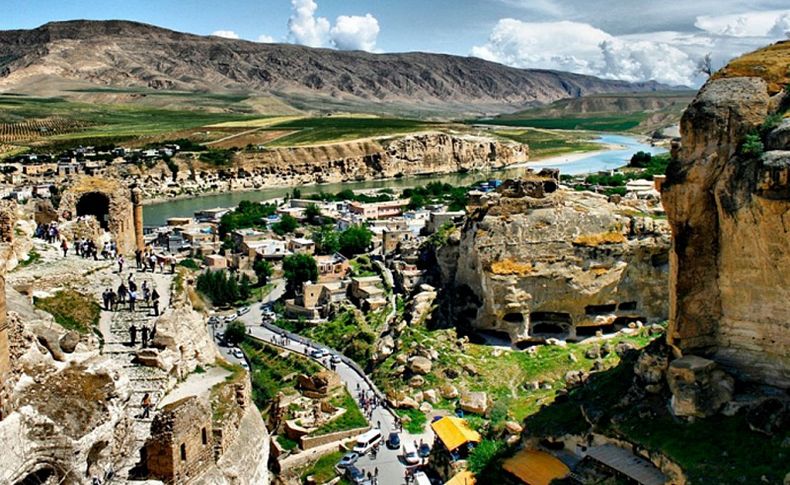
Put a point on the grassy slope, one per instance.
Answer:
(545, 143)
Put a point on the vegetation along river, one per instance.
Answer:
(158, 213)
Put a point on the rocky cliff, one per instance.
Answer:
(424, 153)
(538, 262)
(129, 54)
(728, 201)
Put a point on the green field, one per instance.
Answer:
(545, 143)
(614, 123)
(338, 129)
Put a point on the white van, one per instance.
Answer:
(410, 455)
(420, 478)
(367, 441)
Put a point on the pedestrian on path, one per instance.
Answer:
(132, 299)
(155, 299)
(120, 264)
(138, 257)
(64, 246)
(145, 336)
(146, 403)
(133, 334)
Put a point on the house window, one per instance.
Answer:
(204, 435)
(183, 452)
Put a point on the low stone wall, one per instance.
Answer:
(226, 431)
(308, 442)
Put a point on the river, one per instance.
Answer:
(157, 214)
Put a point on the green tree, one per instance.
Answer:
(263, 270)
(219, 287)
(484, 456)
(286, 225)
(312, 213)
(326, 239)
(245, 287)
(299, 268)
(355, 240)
(296, 193)
(640, 159)
(235, 332)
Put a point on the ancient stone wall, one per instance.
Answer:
(88, 192)
(7, 220)
(180, 448)
(728, 209)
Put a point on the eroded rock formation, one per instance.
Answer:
(536, 262)
(729, 208)
(424, 153)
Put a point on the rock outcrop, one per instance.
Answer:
(728, 205)
(417, 154)
(535, 262)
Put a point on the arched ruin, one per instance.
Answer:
(115, 207)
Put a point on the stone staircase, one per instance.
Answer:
(143, 379)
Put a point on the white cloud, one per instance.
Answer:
(582, 48)
(781, 27)
(304, 27)
(228, 34)
(265, 39)
(747, 24)
(355, 32)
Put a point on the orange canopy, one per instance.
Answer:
(462, 478)
(454, 432)
(535, 467)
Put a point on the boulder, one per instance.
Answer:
(623, 347)
(475, 402)
(572, 358)
(699, 387)
(149, 358)
(426, 408)
(593, 352)
(50, 340)
(401, 359)
(431, 396)
(513, 427)
(408, 403)
(606, 348)
(417, 381)
(532, 385)
(448, 391)
(556, 342)
(651, 366)
(420, 365)
(574, 378)
(470, 369)
(68, 342)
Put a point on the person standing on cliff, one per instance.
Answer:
(133, 334)
(144, 332)
(155, 300)
(146, 403)
(121, 261)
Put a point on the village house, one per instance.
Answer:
(392, 238)
(301, 245)
(316, 300)
(241, 236)
(215, 262)
(210, 215)
(367, 292)
(271, 249)
(379, 210)
(332, 267)
(439, 218)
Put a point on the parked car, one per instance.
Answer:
(237, 353)
(231, 317)
(213, 320)
(410, 455)
(243, 310)
(318, 353)
(424, 450)
(355, 476)
(245, 365)
(348, 459)
(393, 441)
(367, 441)
(420, 478)
(336, 359)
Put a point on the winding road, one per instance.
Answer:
(388, 462)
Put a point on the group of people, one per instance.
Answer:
(368, 401)
(148, 260)
(48, 232)
(146, 334)
(87, 248)
(128, 293)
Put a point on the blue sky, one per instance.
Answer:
(624, 39)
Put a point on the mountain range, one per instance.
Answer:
(79, 55)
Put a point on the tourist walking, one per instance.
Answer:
(146, 403)
(132, 300)
(144, 332)
(120, 264)
(155, 300)
(64, 246)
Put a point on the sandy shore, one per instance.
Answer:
(567, 157)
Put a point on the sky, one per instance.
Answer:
(632, 40)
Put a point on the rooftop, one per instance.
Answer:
(454, 432)
(535, 467)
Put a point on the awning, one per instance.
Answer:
(454, 432)
(535, 467)
(463, 478)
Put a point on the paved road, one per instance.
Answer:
(391, 469)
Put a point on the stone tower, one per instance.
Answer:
(137, 208)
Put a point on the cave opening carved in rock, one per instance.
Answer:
(97, 205)
(550, 323)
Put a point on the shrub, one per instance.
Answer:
(299, 268)
(752, 147)
(485, 455)
(219, 287)
(189, 263)
(355, 240)
(235, 332)
(287, 224)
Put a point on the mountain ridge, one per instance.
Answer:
(121, 53)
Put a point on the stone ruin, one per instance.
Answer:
(6, 237)
(114, 207)
(181, 444)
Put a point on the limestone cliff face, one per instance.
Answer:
(425, 153)
(563, 265)
(729, 209)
